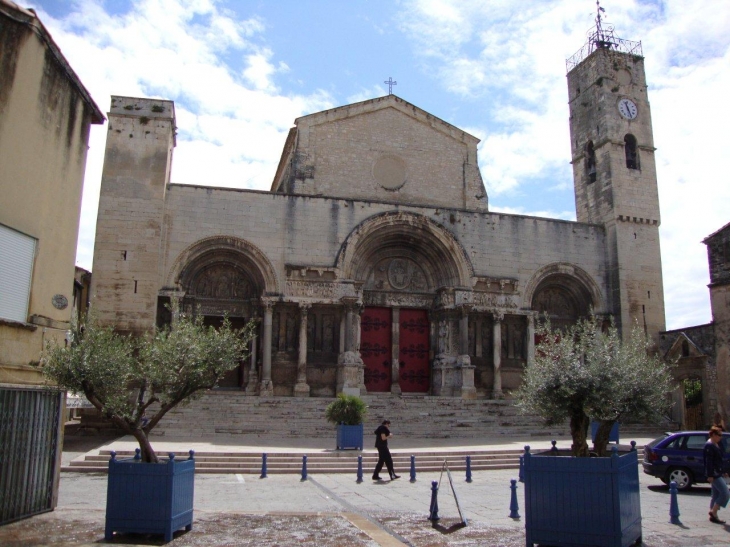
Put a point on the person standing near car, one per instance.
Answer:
(719, 422)
(381, 443)
(715, 473)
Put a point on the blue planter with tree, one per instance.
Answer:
(147, 498)
(350, 436)
(348, 412)
(573, 502)
(588, 369)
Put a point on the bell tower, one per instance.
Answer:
(614, 172)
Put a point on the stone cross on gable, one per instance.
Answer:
(390, 83)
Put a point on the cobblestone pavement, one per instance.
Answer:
(335, 510)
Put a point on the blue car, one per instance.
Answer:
(678, 457)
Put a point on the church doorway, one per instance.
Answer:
(692, 388)
(413, 351)
(376, 329)
(233, 379)
(380, 342)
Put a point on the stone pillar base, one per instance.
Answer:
(443, 375)
(468, 393)
(350, 373)
(253, 382)
(497, 394)
(465, 377)
(395, 389)
(266, 389)
(301, 390)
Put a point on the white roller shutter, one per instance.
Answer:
(16, 269)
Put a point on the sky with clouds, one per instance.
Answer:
(240, 72)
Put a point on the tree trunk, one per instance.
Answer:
(579, 423)
(148, 454)
(602, 435)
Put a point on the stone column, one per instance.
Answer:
(267, 387)
(253, 374)
(497, 353)
(395, 353)
(351, 369)
(463, 361)
(343, 332)
(530, 339)
(301, 389)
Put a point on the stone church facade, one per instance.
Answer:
(373, 265)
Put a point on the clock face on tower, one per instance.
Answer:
(627, 108)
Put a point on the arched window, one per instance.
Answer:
(632, 153)
(590, 162)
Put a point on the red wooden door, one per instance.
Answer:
(413, 358)
(376, 347)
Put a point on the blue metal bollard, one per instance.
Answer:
(673, 505)
(359, 469)
(137, 454)
(413, 469)
(633, 446)
(468, 469)
(263, 466)
(514, 508)
(522, 463)
(304, 468)
(554, 448)
(433, 514)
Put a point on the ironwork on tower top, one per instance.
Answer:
(602, 36)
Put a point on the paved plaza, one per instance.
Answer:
(335, 510)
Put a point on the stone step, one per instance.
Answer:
(323, 463)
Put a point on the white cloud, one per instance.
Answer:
(232, 126)
(505, 58)
(511, 54)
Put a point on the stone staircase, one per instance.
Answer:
(228, 414)
(225, 416)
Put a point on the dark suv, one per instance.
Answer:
(678, 457)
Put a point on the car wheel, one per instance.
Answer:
(681, 476)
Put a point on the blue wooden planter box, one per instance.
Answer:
(612, 436)
(574, 502)
(349, 436)
(149, 498)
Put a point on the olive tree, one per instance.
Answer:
(134, 382)
(587, 371)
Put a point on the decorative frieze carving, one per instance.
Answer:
(321, 290)
(401, 300)
(214, 306)
(493, 300)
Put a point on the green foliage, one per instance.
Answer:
(692, 391)
(346, 409)
(588, 370)
(126, 377)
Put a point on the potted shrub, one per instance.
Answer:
(348, 412)
(588, 370)
(134, 382)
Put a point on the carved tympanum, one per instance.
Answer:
(398, 274)
(222, 281)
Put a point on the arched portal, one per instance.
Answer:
(402, 260)
(564, 293)
(223, 277)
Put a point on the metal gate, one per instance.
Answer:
(29, 429)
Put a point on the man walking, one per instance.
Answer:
(715, 473)
(381, 443)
